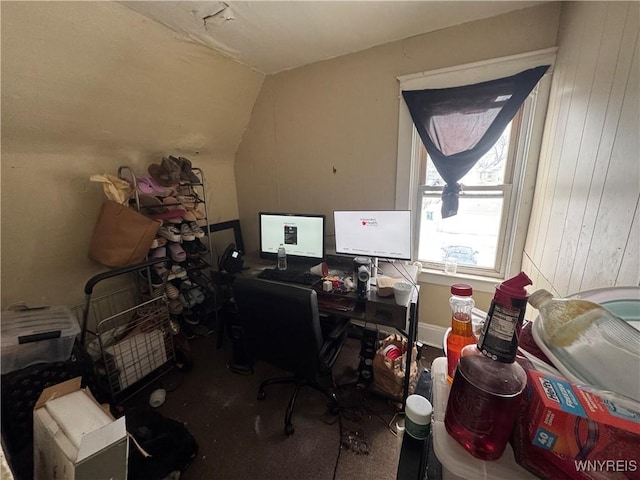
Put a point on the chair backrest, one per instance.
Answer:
(281, 323)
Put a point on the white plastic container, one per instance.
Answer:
(457, 463)
(36, 335)
(418, 414)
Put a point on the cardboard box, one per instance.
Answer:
(74, 438)
(579, 423)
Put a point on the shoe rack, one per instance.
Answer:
(191, 285)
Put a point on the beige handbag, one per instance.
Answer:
(121, 236)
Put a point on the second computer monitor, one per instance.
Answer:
(301, 234)
(380, 233)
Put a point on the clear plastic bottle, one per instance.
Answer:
(461, 334)
(485, 395)
(592, 345)
(282, 258)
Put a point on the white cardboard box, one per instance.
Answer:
(74, 438)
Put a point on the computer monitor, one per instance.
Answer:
(301, 234)
(378, 234)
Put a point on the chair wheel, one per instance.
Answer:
(288, 429)
(261, 395)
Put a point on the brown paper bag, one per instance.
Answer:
(121, 236)
(388, 374)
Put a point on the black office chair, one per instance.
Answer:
(281, 326)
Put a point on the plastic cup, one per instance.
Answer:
(402, 292)
(157, 397)
(450, 266)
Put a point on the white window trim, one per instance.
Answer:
(528, 147)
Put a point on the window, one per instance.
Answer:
(487, 235)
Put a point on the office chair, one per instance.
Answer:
(281, 326)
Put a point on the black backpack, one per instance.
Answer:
(171, 446)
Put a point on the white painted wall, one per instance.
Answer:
(87, 87)
(584, 231)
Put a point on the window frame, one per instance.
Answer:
(525, 142)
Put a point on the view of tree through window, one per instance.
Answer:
(472, 236)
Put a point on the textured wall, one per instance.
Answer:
(324, 137)
(86, 87)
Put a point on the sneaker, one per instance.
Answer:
(178, 271)
(186, 233)
(170, 233)
(197, 231)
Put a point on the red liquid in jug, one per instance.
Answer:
(477, 419)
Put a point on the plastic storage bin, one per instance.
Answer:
(36, 335)
(457, 463)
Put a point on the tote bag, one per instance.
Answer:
(121, 236)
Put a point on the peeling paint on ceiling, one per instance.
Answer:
(272, 36)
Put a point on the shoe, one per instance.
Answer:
(200, 246)
(176, 252)
(189, 216)
(176, 307)
(186, 233)
(191, 248)
(170, 233)
(158, 242)
(162, 175)
(197, 231)
(156, 280)
(185, 171)
(202, 281)
(147, 185)
(178, 271)
(172, 292)
(160, 268)
(187, 201)
(190, 317)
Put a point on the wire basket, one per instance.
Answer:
(128, 336)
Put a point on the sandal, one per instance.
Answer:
(176, 251)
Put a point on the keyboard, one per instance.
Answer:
(289, 276)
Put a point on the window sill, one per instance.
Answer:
(478, 283)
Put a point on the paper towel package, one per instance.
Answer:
(74, 438)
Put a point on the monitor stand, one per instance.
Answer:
(373, 279)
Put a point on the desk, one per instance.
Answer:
(375, 309)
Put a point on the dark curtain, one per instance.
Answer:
(459, 125)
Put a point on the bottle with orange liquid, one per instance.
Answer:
(461, 334)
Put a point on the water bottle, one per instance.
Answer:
(282, 258)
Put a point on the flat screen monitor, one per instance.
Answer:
(381, 233)
(301, 234)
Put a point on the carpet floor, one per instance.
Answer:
(240, 437)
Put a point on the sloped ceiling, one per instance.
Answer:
(272, 36)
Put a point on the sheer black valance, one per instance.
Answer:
(459, 125)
